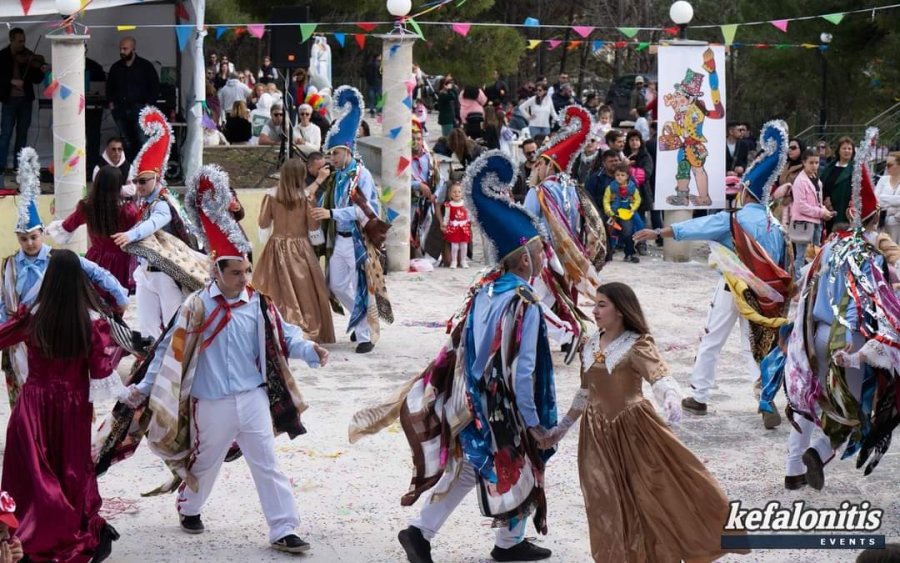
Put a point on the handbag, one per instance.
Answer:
(801, 231)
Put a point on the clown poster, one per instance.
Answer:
(690, 158)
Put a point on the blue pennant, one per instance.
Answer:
(339, 37)
(183, 32)
(220, 31)
(393, 133)
(407, 101)
(391, 215)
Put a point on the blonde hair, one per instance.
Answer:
(240, 109)
(291, 189)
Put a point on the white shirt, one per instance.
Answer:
(233, 91)
(889, 198)
(311, 134)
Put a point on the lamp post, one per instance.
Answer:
(825, 38)
(397, 68)
(681, 13)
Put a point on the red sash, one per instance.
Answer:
(755, 257)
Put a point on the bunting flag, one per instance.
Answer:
(415, 25)
(306, 31)
(26, 6)
(554, 43)
(256, 30)
(642, 45)
(728, 32)
(834, 18)
(68, 151)
(393, 51)
(126, 27)
(180, 12)
(367, 26)
(393, 133)
(407, 101)
(391, 215)
(239, 30)
(461, 28)
(782, 25)
(183, 33)
(81, 105)
(531, 22)
(360, 40)
(532, 43)
(574, 45)
(387, 194)
(340, 38)
(64, 91)
(672, 31)
(410, 86)
(596, 45)
(402, 165)
(583, 30)
(628, 32)
(51, 88)
(220, 31)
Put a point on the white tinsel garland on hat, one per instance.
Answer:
(29, 179)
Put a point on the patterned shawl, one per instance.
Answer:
(15, 358)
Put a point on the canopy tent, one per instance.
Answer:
(158, 45)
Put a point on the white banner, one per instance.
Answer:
(690, 155)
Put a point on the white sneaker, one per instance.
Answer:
(464, 265)
(453, 266)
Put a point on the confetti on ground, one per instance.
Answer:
(427, 324)
(116, 506)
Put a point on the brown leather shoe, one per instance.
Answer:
(794, 482)
(693, 407)
(815, 469)
(771, 420)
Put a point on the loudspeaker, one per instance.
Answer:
(286, 48)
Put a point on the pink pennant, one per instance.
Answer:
(554, 43)
(410, 86)
(583, 30)
(780, 24)
(256, 30)
(461, 28)
(402, 165)
(81, 104)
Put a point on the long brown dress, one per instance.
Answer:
(648, 499)
(288, 270)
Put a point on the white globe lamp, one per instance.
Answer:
(681, 13)
(399, 8)
(68, 7)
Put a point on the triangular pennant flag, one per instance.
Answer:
(64, 91)
(620, 44)
(393, 51)
(728, 32)
(596, 45)
(532, 43)
(239, 30)
(391, 215)
(672, 31)
(402, 165)
(220, 31)
(51, 88)
(81, 105)
(181, 12)
(360, 40)
(26, 6)
(387, 194)
(531, 22)
(642, 45)
(574, 45)
(781, 46)
(834, 18)
(461, 28)
(628, 32)
(306, 31)
(407, 101)
(68, 151)
(583, 30)
(183, 32)
(256, 30)
(808, 45)
(340, 38)
(367, 26)
(126, 27)
(780, 24)
(410, 86)
(393, 133)
(415, 25)
(554, 43)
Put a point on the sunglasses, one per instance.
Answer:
(530, 153)
(277, 114)
(143, 181)
(304, 113)
(794, 147)
(822, 147)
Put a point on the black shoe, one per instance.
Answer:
(291, 543)
(642, 248)
(525, 551)
(192, 524)
(659, 242)
(108, 535)
(353, 336)
(417, 548)
(364, 347)
(815, 469)
(633, 259)
(794, 482)
(234, 452)
(693, 407)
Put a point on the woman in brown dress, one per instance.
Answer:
(648, 499)
(288, 270)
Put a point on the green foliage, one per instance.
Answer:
(470, 59)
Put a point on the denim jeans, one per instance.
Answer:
(625, 235)
(16, 115)
(133, 137)
(800, 250)
(534, 131)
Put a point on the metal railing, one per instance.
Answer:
(888, 123)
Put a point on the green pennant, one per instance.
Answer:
(834, 18)
(415, 25)
(781, 46)
(68, 151)
(628, 32)
(728, 32)
(306, 31)
(642, 45)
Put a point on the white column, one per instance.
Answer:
(397, 69)
(674, 250)
(67, 59)
(192, 151)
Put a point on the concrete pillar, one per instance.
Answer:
(397, 63)
(69, 154)
(674, 250)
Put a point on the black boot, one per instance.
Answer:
(108, 535)
(524, 551)
(815, 469)
(417, 548)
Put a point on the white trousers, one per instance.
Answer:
(558, 330)
(798, 442)
(434, 514)
(722, 315)
(158, 298)
(342, 281)
(244, 418)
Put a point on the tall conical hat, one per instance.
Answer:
(29, 179)
(154, 155)
(567, 143)
(206, 203)
(347, 108)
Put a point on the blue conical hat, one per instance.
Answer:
(29, 179)
(488, 183)
(347, 108)
(764, 172)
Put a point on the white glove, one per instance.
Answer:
(554, 435)
(846, 360)
(672, 408)
(131, 396)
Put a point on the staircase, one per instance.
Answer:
(888, 123)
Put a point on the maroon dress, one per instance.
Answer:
(47, 466)
(103, 251)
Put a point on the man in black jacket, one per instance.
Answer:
(736, 150)
(19, 72)
(132, 84)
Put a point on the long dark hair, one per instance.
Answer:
(61, 325)
(102, 203)
(631, 134)
(802, 146)
(626, 302)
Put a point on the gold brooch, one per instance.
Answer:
(600, 357)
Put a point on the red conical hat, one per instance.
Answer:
(569, 141)
(867, 195)
(154, 155)
(206, 202)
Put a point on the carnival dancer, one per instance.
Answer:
(23, 272)
(47, 464)
(647, 497)
(349, 209)
(483, 413)
(555, 201)
(161, 257)
(426, 180)
(220, 374)
(759, 242)
(844, 351)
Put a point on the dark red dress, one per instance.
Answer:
(459, 229)
(47, 465)
(103, 251)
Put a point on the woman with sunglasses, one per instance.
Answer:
(888, 193)
(781, 197)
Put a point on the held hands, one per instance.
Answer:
(121, 239)
(322, 353)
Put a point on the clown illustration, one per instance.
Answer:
(685, 132)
